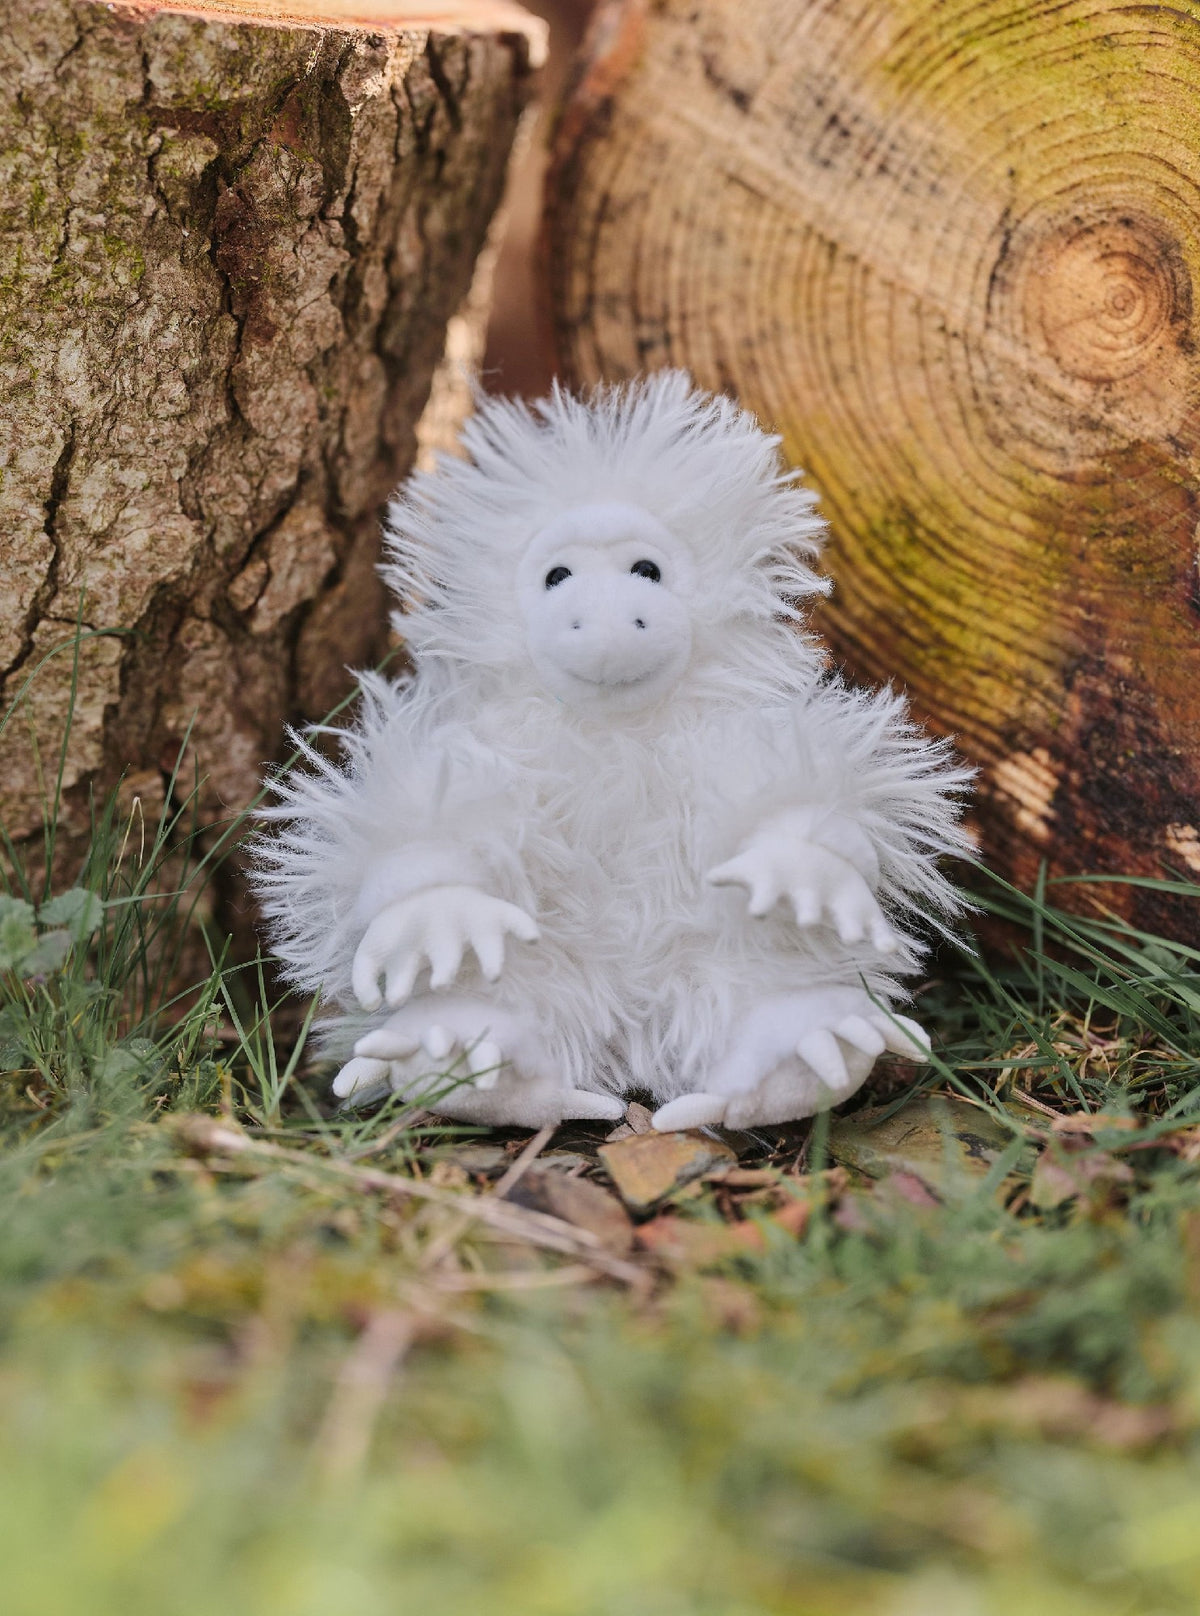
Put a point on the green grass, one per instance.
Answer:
(249, 1383)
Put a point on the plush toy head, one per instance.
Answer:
(607, 552)
(607, 595)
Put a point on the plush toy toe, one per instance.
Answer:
(690, 1111)
(581, 1105)
(363, 1080)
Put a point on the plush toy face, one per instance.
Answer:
(605, 592)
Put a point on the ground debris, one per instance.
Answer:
(579, 1202)
(205, 1136)
(1092, 1123)
(1093, 1176)
(698, 1243)
(646, 1168)
(638, 1119)
(940, 1141)
(1058, 1408)
(480, 1160)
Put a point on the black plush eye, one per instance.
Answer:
(556, 575)
(647, 569)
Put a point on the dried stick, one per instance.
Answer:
(207, 1135)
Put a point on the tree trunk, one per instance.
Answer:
(230, 248)
(950, 251)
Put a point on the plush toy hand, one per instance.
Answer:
(437, 925)
(819, 884)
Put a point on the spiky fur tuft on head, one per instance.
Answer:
(699, 463)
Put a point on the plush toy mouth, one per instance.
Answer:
(612, 684)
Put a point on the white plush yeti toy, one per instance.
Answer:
(620, 831)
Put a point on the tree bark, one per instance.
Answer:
(950, 252)
(229, 250)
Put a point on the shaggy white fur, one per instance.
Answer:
(616, 724)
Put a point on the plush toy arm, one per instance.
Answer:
(411, 869)
(434, 926)
(823, 863)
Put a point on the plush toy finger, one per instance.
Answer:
(391, 945)
(819, 1049)
(858, 1032)
(806, 905)
(514, 919)
(490, 929)
(882, 935)
(854, 909)
(749, 870)
(903, 1036)
(690, 1111)
(484, 1062)
(847, 923)
(400, 979)
(368, 962)
(445, 946)
(387, 1043)
(852, 905)
(362, 1079)
(489, 951)
(437, 1042)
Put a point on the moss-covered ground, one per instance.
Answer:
(260, 1357)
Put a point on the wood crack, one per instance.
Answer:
(44, 597)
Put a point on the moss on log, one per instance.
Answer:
(951, 252)
(229, 249)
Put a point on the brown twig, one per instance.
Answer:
(1034, 1105)
(359, 1389)
(208, 1135)
(524, 1161)
(541, 1279)
(446, 1241)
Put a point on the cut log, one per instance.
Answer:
(231, 239)
(951, 253)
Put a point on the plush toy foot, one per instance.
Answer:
(793, 1056)
(469, 1061)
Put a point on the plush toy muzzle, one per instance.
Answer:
(604, 592)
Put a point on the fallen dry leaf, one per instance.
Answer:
(852, 1214)
(745, 1178)
(686, 1243)
(937, 1140)
(579, 1202)
(1058, 1408)
(732, 1304)
(481, 1159)
(794, 1217)
(1060, 1178)
(906, 1187)
(449, 1175)
(647, 1167)
(638, 1119)
(1090, 1123)
(794, 1208)
(571, 1162)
